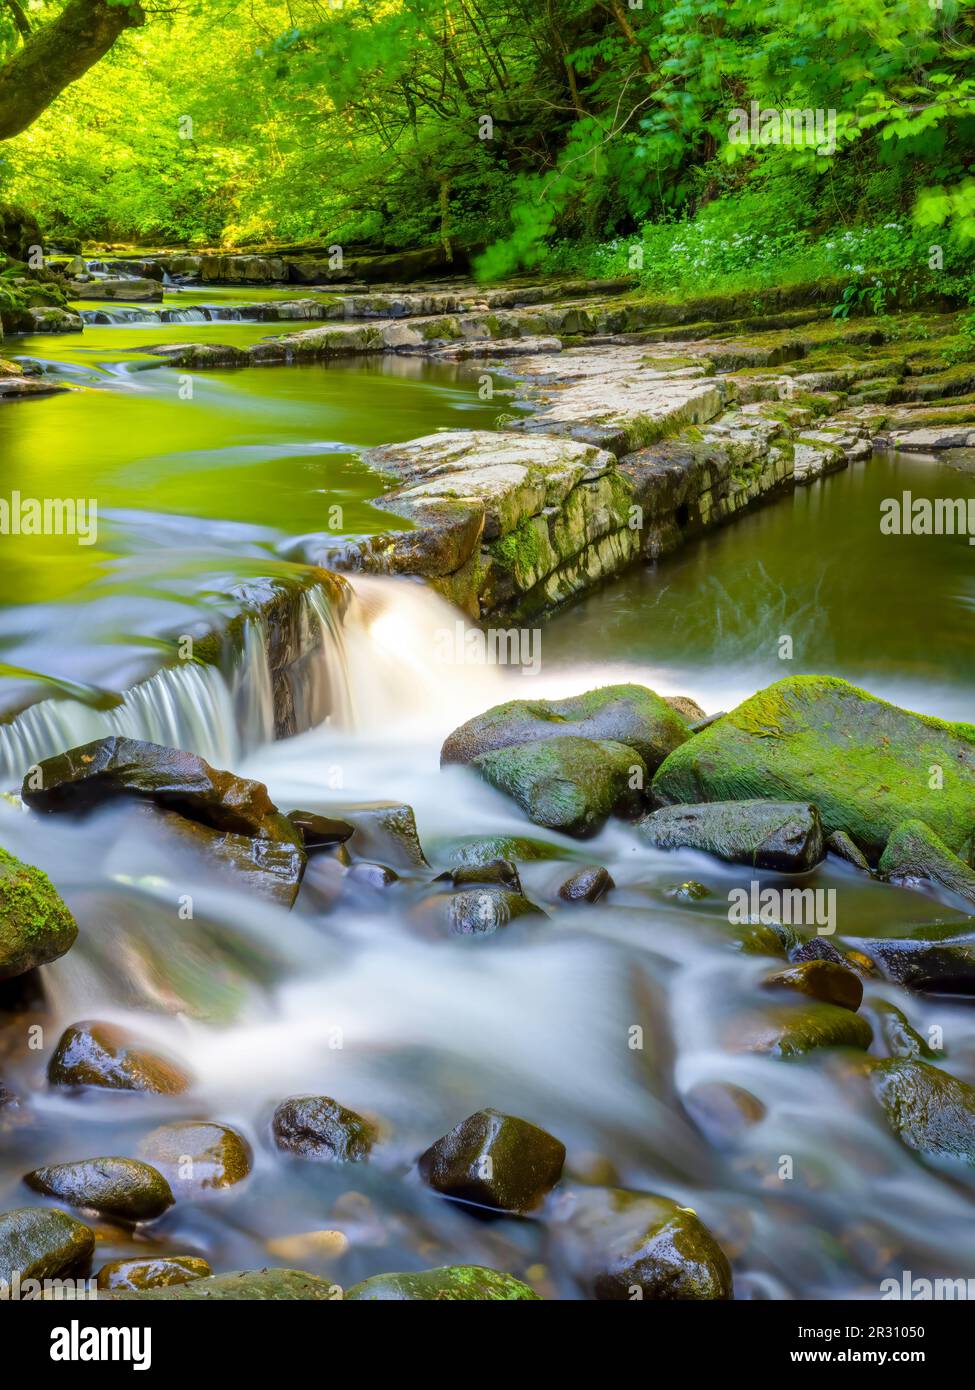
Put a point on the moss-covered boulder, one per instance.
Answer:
(42, 1244)
(197, 1155)
(820, 979)
(495, 1161)
(866, 764)
(157, 1273)
(623, 1245)
(121, 1187)
(782, 836)
(915, 854)
(628, 714)
(794, 1031)
(258, 1286)
(101, 1054)
(569, 784)
(929, 1110)
(35, 925)
(449, 1284)
(318, 1127)
(502, 873)
(937, 958)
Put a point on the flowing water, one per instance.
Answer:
(352, 1002)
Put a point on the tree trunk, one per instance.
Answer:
(59, 53)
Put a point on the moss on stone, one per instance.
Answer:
(448, 1285)
(35, 925)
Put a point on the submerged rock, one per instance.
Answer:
(496, 1161)
(897, 1037)
(588, 885)
(820, 979)
(384, 831)
(500, 872)
(100, 1054)
(929, 1111)
(569, 784)
(377, 876)
(441, 1285)
(622, 1245)
(42, 1244)
(628, 714)
(865, 763)
(783, 836)
(480, 910)
(319, 1127)
(938, 958)
(480, 850)
(120, 1187)
(723, 1112)
(794, 1031)
(915, 854)
(259, 1285)
(35, 925)
(157, 1273)
(195, 1155)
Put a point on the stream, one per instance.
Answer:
(199, 496)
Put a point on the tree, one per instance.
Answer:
(56, 54)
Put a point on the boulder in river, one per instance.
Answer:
(496, 1161)
(587, 885)
(793, 1031)
(320, 832)
(197, 1155)
(253, 1286)
(939, 958)
(929, 1110)
(501, 872)
(915, 854)
(384, 831)
(866, 764)
(570, 784)
(896, 1036)
(39, 1243)
(35, 925)
(784, 836)
(101, 1054)
(318, 1127)
(155, 1273)
(723, 1112)
(623, 1245)
(120, 1187)
(131, 288)
(480, 910)
(628, 714)
(450, 1284)
(820, 979)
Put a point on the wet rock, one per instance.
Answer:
(35, 925)
(500, 872)
(158, 1273)
(319, 1127)
(765, 939)
(197, 1155)
(587, 886)
(621, 1245)
(782, 836)
(376, 876)
(42, 1244)
(320, 832)
(816, 948)
(820, 979)
(723, 1112)
(865, 763)
(795, 1031)
(930, 1111)
(441, 1285)
(896, 1036)
(627, 714)
(384, 831)
(259, 1285)
(271, 868)
(569, 784)
(496, 1161)
(915, 854)
(938, 958)
(100, 1054)
(120, 1187)
(689, 892)
(480, 910)
(516, 848)
(840, 844)
(124, 290)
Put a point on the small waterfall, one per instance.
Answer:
(121, 315)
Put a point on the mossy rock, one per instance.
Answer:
(895, 1035)
(120, 1187)
(449, 1284)
(518, 849)
(478, 910)
(568, 784)
(197, 1155)
(820, 979)
(779, 836)
(930, 1111)
(496, 1161)
(42, 1244)
(623, 1245)
(260, 1285)
(157, 1273)
(915, 854)
(797, 1030)
(35, 925)
(865, 763)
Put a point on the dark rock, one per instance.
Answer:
(120, 1187)
(840, 844)
(621, 1245)
(441, 1285)
(271, 868)
(42, 1244)
(196, 1155)
(939, 958)
(820, 979)
(157, 1273)
(897, 1037)
(35, 925)
(475, 911)
(569, 784)
(320, 832)
(930, 1111)
(723, 1112)
(318, 1127)
(372, 875)
(100, 1054)
(588, 885)
(259, 1285)
(384, 831)
(496, 1161)
(817, 948)
(781, 836)
(627, 714)
(914, 854)
(498, 871)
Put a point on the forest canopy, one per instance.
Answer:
(523, 125)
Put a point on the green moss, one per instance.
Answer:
(450, 1284)
(35, 925)
(518, 551)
